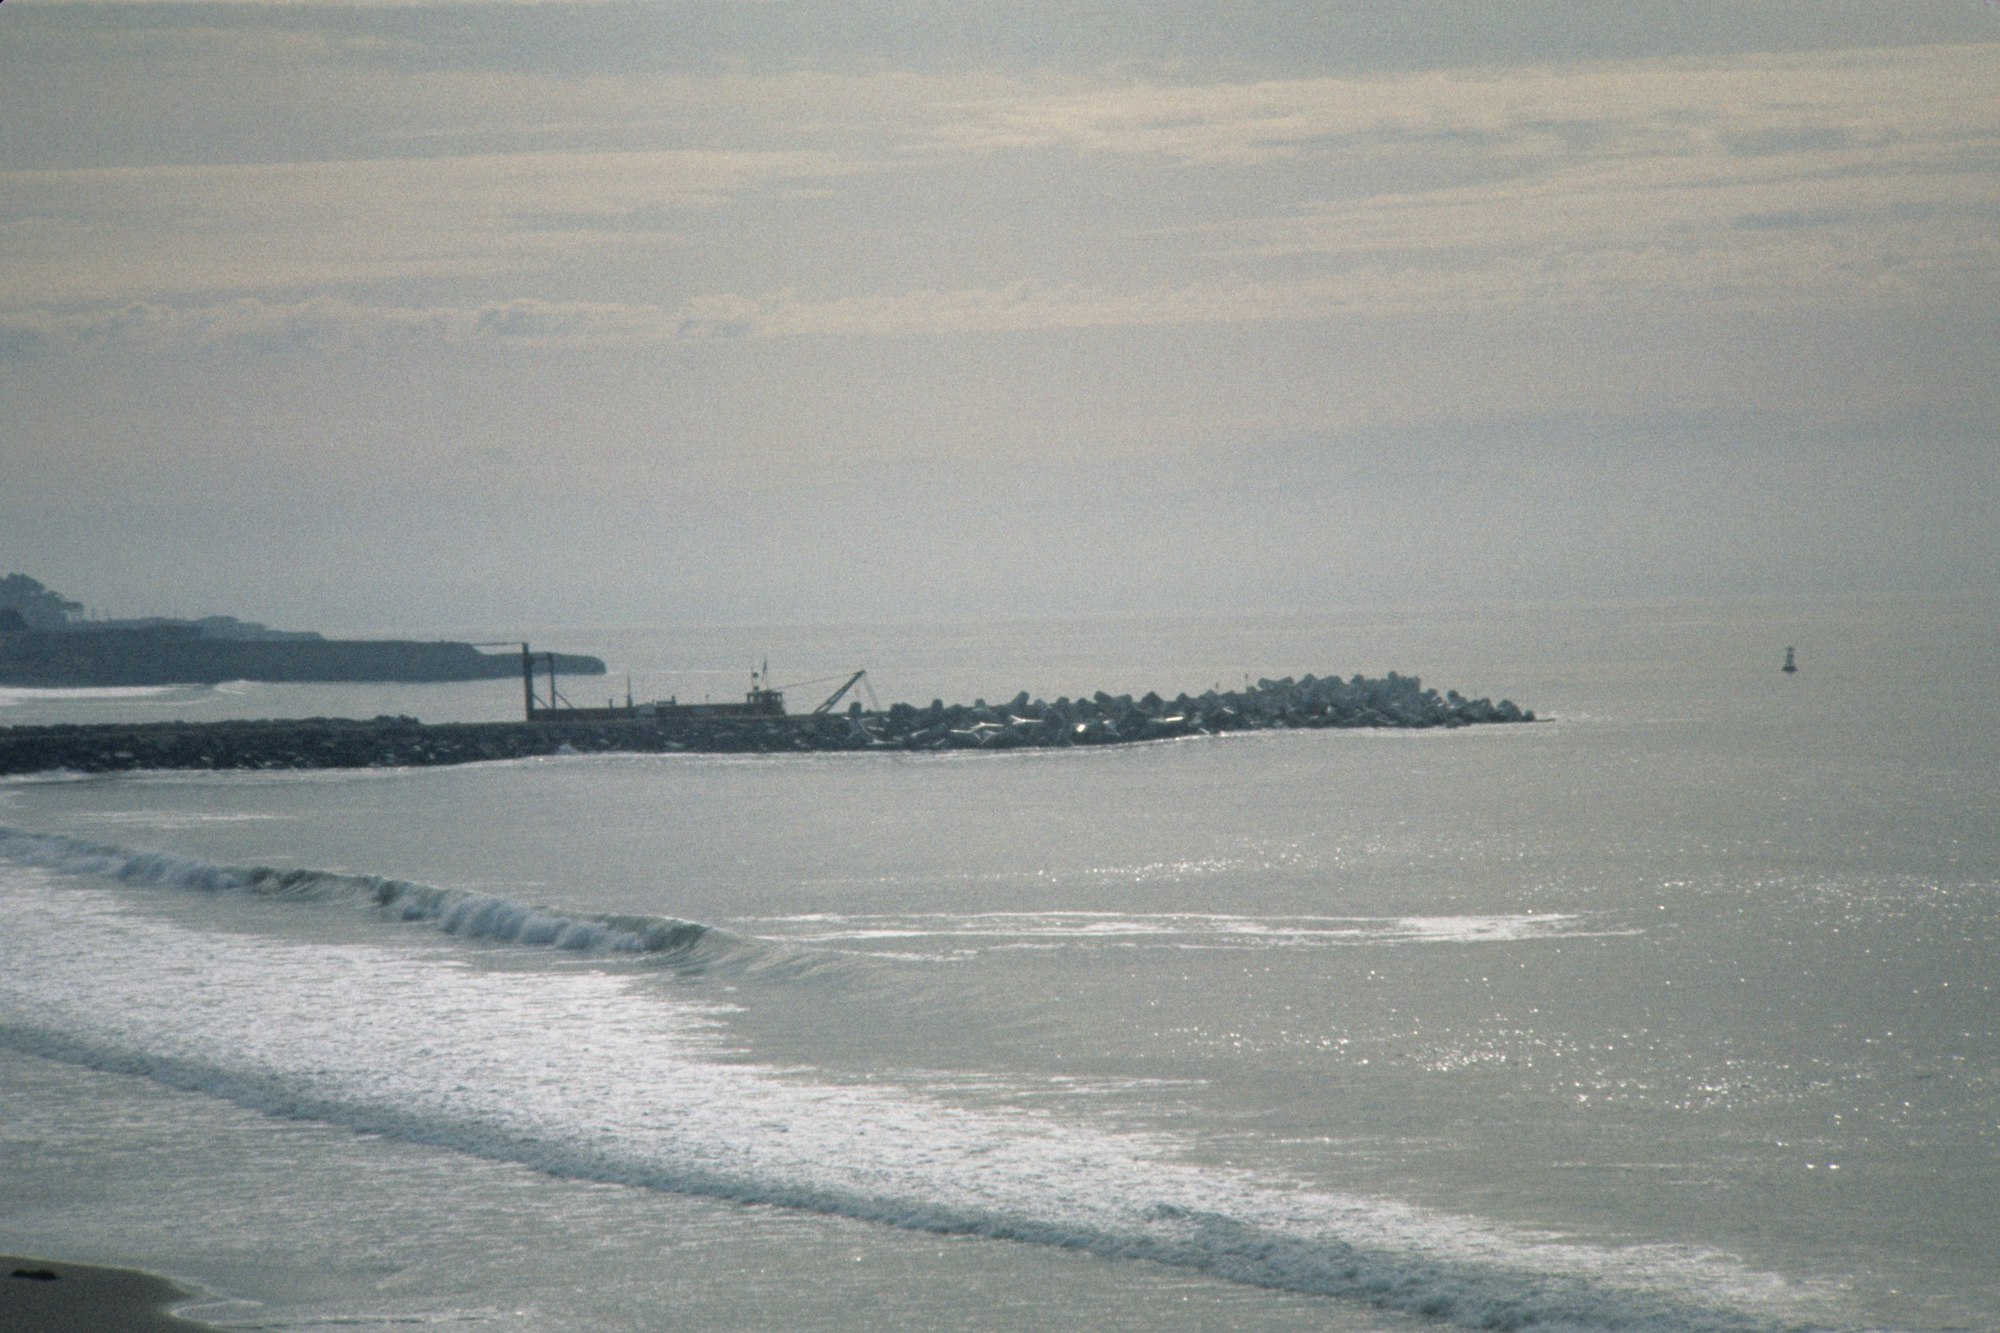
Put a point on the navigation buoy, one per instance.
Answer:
(1791, 662)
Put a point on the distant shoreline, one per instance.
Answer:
(55, 1296)
(47, 642)
(180, 655)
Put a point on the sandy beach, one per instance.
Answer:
(83, 1299)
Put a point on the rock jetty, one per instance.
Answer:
(1101, 719)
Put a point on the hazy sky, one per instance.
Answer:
(383, 315)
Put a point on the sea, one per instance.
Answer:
(1671, 1011)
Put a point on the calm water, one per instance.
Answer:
(1673, 1012)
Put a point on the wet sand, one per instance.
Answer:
(83, 1299)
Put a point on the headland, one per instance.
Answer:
(174, 655)
(45, 643)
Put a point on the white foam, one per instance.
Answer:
(1185, 930)
(13, 696)
(603, 1075)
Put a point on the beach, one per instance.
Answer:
(48, 1296)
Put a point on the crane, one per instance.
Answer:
(836, 696)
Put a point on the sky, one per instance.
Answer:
(389, 314)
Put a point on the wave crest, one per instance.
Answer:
(460, 912)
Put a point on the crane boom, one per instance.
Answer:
(835, 697)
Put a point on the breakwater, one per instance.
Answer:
(1101, 719)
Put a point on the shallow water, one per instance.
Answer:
(1672, 1012)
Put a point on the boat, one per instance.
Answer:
(762, 702)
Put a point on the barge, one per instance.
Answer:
(761, 703)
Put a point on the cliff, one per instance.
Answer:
(46, 642)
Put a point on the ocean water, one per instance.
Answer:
(1674, 1011)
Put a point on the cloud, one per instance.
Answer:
(328, 323)
(1794, 139)
(806, 203)
(1791, 219)
(1748, 105)
(322, 324)
(100, 234)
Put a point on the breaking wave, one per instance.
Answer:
(590, 1074)
(460, 912)
(595, 1073)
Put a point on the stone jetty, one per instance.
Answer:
(1102, 719)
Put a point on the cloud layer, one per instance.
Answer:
(700, 244)
(1845, 177)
